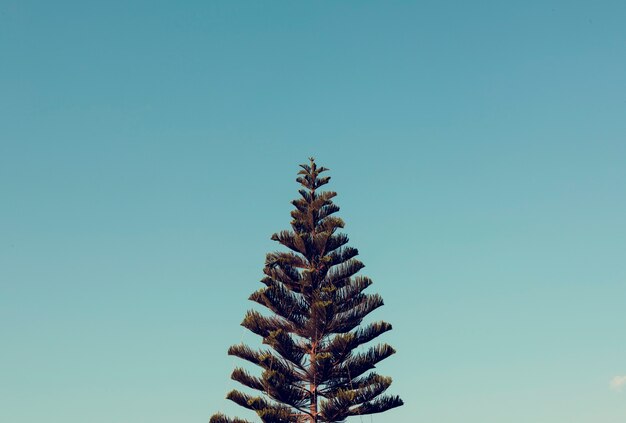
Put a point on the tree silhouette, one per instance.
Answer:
(313, 370)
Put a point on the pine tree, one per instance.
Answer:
(314, 370)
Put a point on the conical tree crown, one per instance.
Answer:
(313, 370)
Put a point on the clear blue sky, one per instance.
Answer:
(148, 150)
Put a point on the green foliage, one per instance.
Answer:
(314, 369)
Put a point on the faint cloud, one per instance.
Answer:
(618, 382)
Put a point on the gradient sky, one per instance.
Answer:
(148, 150)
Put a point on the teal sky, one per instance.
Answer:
(148, 151)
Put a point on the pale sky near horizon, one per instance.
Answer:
(148, 151)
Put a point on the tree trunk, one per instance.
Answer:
(313, 387)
